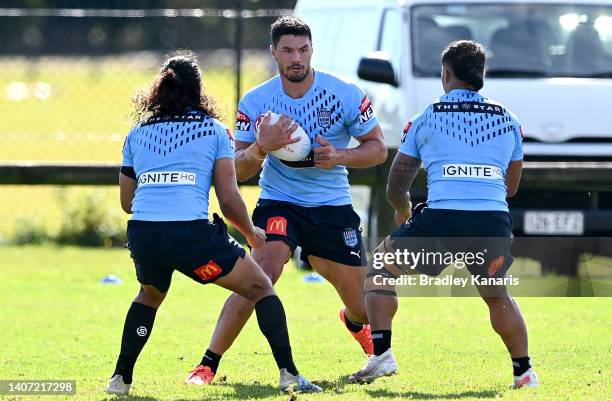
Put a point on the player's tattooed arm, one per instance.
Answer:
(403, 172)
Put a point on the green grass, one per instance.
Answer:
(86, 114)
(85, 119)
(46, 204)
(58, 322)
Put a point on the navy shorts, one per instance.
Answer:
(329, 232)
(482, 238)
(200, 249)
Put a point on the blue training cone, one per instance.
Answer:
(313, 278)
(111, 279)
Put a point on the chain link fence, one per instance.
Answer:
(66, 86)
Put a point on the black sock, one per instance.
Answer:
(273, 324)
(211, 360)
(352, 326)
(521, 365)
(136, 332)
(381, 340)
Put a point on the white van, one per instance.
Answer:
(549, 61)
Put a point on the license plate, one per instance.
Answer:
(554, 223)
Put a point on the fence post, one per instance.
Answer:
(238, 47)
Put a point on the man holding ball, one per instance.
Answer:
(305, 202)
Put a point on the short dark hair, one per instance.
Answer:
(467, 59)
(176, 89)
(289, 25)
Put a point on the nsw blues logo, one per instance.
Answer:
(324, 117)
(350, 237)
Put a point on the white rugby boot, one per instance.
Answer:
(527, 379)
(116, 385)
(296, 383)
(377, 366)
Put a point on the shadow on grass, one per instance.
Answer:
(244, 391)
(241, 391)
(415, 395)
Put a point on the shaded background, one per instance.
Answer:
(69, 71)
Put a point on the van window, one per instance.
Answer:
(390, 40)
(341, 38)
(522, 40)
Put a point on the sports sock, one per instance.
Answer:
(273, 324)
(136, 331)
(211, 360)
(352, 326)
(381, 340)
(521, 365)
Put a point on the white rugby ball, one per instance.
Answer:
(294, 151)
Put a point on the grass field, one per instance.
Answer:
(58, 322)
(45, 204)
(78, 109)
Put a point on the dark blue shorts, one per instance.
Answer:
(200, 249)
(482, 238)
(329, 232)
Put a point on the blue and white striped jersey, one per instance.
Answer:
(173, 158)
(466, 142)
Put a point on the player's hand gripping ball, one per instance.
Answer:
(295, 151)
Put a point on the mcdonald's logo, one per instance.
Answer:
(208, 271)
(495, 265)
(277, 225)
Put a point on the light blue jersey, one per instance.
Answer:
(333, 108)
(466, 142)
(173, 158)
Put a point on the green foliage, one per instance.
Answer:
(89, 221)
(29, 229)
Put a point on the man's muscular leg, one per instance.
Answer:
(237, 309)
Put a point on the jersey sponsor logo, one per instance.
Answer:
(471, 171)
(468, 107)
(495, 265)
(350, 237)
(208, 271)
(277, 225)
(167, 178)
(406, 129)
(195, 116)
(365, 110)
(324, 117)
(243, 122)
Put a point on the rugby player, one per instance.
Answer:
(472, 150)
(305, 203)
(170, 159)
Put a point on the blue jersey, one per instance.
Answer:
(173, 158)
(466, 142)
(333, 108)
